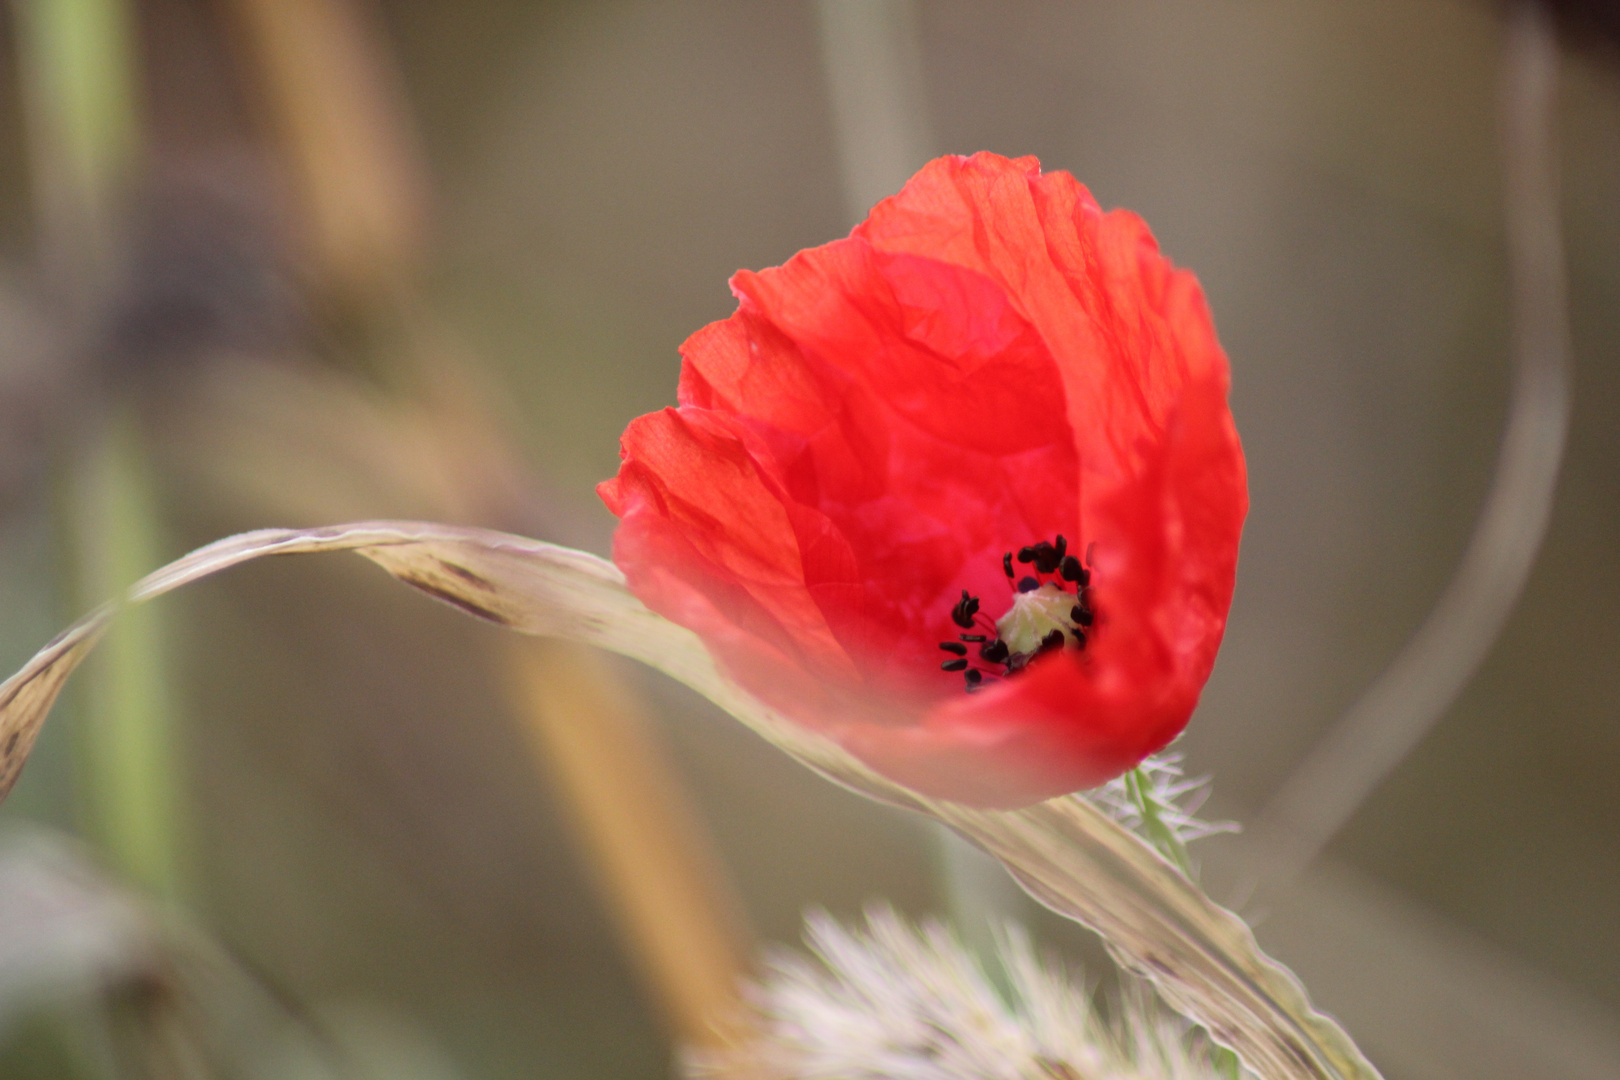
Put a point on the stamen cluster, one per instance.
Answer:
(1037, 622)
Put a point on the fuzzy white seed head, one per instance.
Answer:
(897, 1002)
(1172, 797)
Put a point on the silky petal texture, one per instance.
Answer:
(988, 361)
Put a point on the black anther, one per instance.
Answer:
(1079, 638)
(996, 652)
(1026, 554)
(1053, 640)
(1029, 584)
(962, 614)
(972, 677)
(1073, 571)
(1081, 615)
(1060, 545)
(1006, 565)
(956, 647)
(953, 665)
(971, 637)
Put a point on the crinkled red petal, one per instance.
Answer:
(988, 361)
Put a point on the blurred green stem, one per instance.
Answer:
(129, 746)
(77, 61)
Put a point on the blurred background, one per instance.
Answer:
(292, 262)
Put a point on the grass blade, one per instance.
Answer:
(1066, 853)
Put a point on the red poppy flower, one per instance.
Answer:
(961, 491)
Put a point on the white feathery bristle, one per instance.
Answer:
(897, 1002)
(1178, 800)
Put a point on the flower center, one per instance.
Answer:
(1045, 616)
(1034, 616)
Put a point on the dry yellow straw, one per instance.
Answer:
(640, 835)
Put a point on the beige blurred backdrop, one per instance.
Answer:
(363, 824)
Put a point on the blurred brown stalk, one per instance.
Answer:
(328, 91)
(414, 433)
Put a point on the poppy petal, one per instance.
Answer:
(988, 362)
